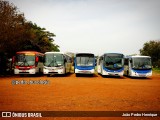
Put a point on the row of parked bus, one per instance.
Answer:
(109, 64)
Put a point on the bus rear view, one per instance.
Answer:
(84, 63)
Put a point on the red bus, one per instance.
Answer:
(28, 62)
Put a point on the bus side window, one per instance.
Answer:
(65, 58)
(95, 61)
(99, 61)
(101, 58)
(40, 59)
(69, 60)
(130, 61)
(125, 61)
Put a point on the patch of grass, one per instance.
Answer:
(157, 70)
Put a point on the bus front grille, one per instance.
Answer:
(53, 72)
(23, 72)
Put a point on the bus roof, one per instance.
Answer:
(54, 53)
(113, 53)
(138, 56)
(85, 53)
(57, 53)
(33, 52)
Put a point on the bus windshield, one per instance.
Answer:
(113, 61)
(25, 59)
(85, 60)
(142, 63)
(54, 60)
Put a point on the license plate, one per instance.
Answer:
(142, 75)
(84, 71)
(23, 70)
(112, 74)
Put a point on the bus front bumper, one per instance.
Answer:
(30, 71)
(135, 74)
(113, 73)
(53, 70)
(85, 71)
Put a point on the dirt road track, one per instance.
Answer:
(82, 93)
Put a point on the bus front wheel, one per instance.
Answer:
(77, 75)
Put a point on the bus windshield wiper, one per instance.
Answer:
(21, 64)
(88, 61)
(56, 63)
(53, 61)
(25, 61)
(80, 61)
(111, 61)
(49, 65)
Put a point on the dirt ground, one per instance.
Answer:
(83, 93)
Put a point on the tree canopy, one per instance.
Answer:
(16, 33)
(152, 48)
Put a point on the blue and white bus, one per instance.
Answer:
(57, 63)
(111, 64)
(138, 66)
(84, 63)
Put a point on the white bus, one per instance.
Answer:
(84, 63)
(138, 66)
(57, 63)
(111, 64)
(28, 62)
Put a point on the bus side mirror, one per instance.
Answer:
(95, 62)
(37, 59)
(70, 59)
(65, 60)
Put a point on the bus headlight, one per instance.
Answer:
(61, 67)
(44, 67)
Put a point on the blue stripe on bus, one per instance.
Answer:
(142, 71)
(84, 67)
(108, 70)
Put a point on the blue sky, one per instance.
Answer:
(96, 26)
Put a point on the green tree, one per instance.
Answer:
(11, 26)
(37, 38)
(16, 33)
(152, 48)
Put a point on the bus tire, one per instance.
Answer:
(127, 73)
(21, 75)
(77, 75)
